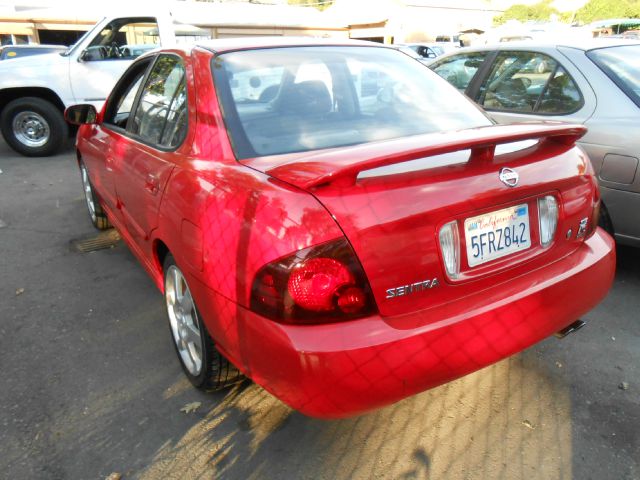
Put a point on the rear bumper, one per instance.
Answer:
(344, 369)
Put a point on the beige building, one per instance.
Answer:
(33, 22)
(399, 21)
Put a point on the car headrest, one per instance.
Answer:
(310, 98)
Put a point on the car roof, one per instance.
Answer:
(577, 43)
(249, 43)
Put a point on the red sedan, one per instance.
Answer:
(336, 221)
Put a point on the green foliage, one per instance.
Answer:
(540, 11)
(319, 4)
(604, 9)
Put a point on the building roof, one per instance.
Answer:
(195, 13)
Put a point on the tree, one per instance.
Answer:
(319, 4)
(603, 9)
(540, 12)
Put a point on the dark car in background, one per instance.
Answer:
(8, 52)
(426, 50)
(596, 83)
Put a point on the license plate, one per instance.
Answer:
(497, 234)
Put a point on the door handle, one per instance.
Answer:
(152, 184)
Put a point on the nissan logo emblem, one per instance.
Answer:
(509, 177)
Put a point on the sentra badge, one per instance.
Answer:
(412, 288)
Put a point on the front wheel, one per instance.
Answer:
(96, 213)
(33, 127)
(205, 367)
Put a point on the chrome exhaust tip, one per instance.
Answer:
(574, 327)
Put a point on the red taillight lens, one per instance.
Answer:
(313, 284)
(320, 284)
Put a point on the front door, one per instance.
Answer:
(107, 142)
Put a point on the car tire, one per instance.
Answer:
(96, 213)
(205, 367)
(33, 127)
(605, 220)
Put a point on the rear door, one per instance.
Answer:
(155, 132)
(522, 86)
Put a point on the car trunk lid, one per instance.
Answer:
(391, 198)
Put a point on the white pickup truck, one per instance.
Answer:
(34, 91)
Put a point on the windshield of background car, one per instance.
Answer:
(283, 100)
(622, 65)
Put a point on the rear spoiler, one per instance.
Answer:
(344, 165)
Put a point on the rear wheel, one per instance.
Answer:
(605, 220)
(33, 127)
(96, 213)
(205, 367)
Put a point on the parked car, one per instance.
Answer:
(425, 50)
(449, 42)
(34, 91)
(337, 221)
(8, 52)
(408, 51)
(594, 83)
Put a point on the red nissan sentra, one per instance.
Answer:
(338, 222)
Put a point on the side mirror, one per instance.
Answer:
(91, 54)
(81, 114)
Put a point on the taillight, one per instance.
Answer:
(450, 246)
(320, 284)
(548, 219)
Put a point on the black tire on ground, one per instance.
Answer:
(35, 112)
(98, 217)
(216, 372)
(605, 220)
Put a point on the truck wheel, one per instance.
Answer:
(33, 127)
(203, 364)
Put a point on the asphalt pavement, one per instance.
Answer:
(90, 384)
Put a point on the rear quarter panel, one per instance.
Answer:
(613, 129)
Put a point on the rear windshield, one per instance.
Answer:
(297, 99)
(622, 65)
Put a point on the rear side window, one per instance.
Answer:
(161, 115)
(282, 100)
(459, 70)
(622, 65)
(529, 82)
